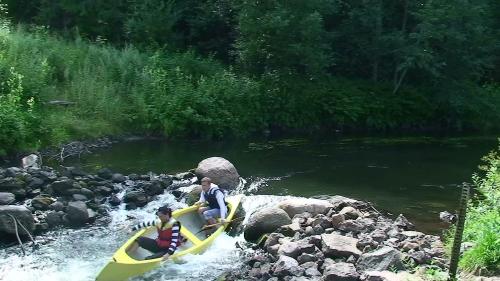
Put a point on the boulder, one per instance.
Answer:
(221, 171)
(138, 197)
(7, 198)
(287, 266)
(80, 197)
(42, 202)
(57, 206)
(402, 222)
(103, 190)
(105, 173)
(153, 188)
(382, 259)
(21, 213)
(118, 178)
(53, 219)
(35, 183)
(265, 221)
(294, 249)
(350, 213)
(10, 184)
(337, 219)
(31, 161)
(380, 276)
(306, 258)
(300, 205)
(12, 172)
(340, 271)
(334, 245)
(290, 229)
(77, 213)
(339, 202)
(87, 192)
(63, 186)
(412, 234)
(194, 195)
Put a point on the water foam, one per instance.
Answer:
(79, 254)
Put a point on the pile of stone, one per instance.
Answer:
(335, 239)
(43, 198)
(46, 198)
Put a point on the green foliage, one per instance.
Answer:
(284, 78)
(282, 36)
(16, 115)
(214, 103)
(482, 226)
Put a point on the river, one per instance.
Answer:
(418, 177)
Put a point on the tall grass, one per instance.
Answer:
(113, 91)
(482, 226)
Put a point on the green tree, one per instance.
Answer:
(282, 36)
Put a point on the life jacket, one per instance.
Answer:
(211, 197)
(165, 234)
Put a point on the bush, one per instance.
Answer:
(482, 226)
(16, 116)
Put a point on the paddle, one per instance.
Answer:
(205, 227)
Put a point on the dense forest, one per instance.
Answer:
(217, 68)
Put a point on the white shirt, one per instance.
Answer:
(220, 200)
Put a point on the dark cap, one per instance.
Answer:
(165, 210)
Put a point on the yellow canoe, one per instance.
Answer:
(127, 264)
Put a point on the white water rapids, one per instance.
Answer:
(79, 254)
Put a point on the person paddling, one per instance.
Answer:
(168, 238)
(213, 196)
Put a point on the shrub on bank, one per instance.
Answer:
(111, 91)
(482, 226)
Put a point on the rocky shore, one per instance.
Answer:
(335, 239)
(44, 198)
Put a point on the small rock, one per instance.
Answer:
(350, 213)
(7, 198)
(118, 178)
(403, 223)
(340, 272)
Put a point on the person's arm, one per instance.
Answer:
(202, 198)
(176, 229)
(143, 224)
(222, 205)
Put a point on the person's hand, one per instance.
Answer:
(165, 257)
(222, 221)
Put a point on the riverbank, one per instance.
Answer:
(57, 92)
(336, 239)
(46, 199)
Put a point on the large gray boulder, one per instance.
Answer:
(7, 198)
(340, 271)
(382, 259)
(296, 206)
(21, 213)
(221, 171)
(265, 221)
(334, 245)
(77, 213)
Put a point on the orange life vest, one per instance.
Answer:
(165, 234)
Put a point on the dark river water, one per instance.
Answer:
(417, 176)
